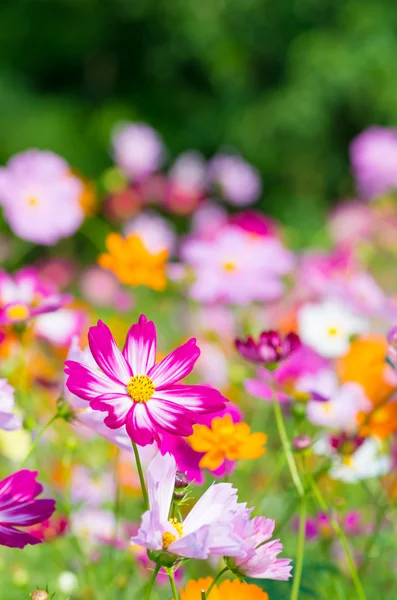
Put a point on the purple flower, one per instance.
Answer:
(8, 420)
(239, 181)
(20, 508)
(260, 560)
(137, 149)
(271, 347)
(135, 391)
(41, 197)
(373, 156)
(207, 530)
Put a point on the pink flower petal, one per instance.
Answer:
(117, 406)
(19, 487)
(171, 417)
(140, 346)
(89, 384)
(13, 538)
(174, 367)
(27, 513)
(200, 399)
(139, 426)
(107, 354)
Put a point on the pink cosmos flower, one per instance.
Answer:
(239, 181)
(135, 391)
(19, 507)
(60, 327)
(41, 197)
(237, 267)
(332, 405)
(373, 156)
(186, 183)
(207, 530)
(138, 149)
(8, 419)
(260, 557)
(23, 296)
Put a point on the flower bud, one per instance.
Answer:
(39, 595)
(302, 442)
(181, 480)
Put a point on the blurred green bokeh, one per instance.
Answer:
(286, 83)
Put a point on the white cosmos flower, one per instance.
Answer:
(328, 327)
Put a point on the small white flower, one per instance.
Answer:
(328, 327)
(67, 582)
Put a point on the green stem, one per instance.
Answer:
(301, 548)
(380, 517)
(151, 582)
(287, 448)
(38, 438)
(141, 477)
(217, 577)
(342, 538)
(171, 577)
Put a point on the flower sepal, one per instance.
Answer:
(162, 558)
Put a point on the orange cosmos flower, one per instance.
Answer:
(226, 440)
(132, 263)
(365, 364)
(228, 590)
(381, 421)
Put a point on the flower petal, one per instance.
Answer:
(19, 487)
(161, 482)
(174, 367)
(107, 354)
(88, 384)
(199, 399)
(28, 513)
(171, 417)
(117, 406)
(139, 426)
(13, 538)
(140, 346)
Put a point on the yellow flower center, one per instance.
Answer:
(32, 201)
(169, 537)
(140, 388)
(229, 266)
(333, 331)
(18, 312)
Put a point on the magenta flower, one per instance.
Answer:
(41, 197)
(24, 296)
(207, 530)
(270, 348)
(135, 391)
(20, 508)
(260, 559)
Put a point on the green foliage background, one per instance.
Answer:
(288, 83)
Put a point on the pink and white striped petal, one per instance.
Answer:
(140, 427)
(89, 384)
(200, 399)
(174, 367)
(171, 417)
(107, 354)
(140, 346)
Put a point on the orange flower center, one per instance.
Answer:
(140, 388)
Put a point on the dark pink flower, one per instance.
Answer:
(135, 391)
(270, 348)
(20, 508)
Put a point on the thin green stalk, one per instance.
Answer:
(141, 477)
(342, 538)
(38, 438)
(301, 549)
(151, 582)
(171, 577)
(217, 577)
(287, 448)
(380, 517)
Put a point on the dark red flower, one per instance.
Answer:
(271, 347)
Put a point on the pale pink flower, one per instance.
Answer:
(135, 391)
(41, 197)
(239, 182)
(237, 267)
(137, 149)
(8, 419)
(207, 530)
(260, 557)
(60, 327)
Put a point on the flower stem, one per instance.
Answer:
(38, 438)
(301, 548)
(217, 577)
(151, 582)
(342, 538)
(287, 448)
(171, 577)
(141, 477)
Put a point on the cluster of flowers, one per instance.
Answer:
(304, 334)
